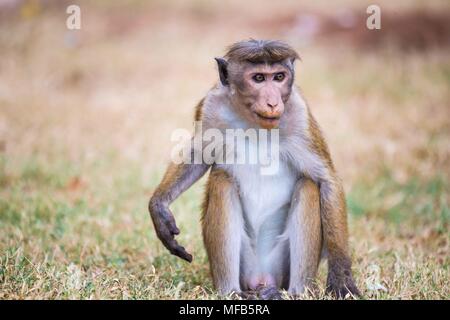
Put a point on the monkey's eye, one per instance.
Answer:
(279, 76)
(259, 77)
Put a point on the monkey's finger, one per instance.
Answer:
(171, 224)
(179, 251)
(165, 236)
(183, 254)
(169, 221)
(172, 245)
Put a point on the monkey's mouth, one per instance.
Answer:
(270, 118)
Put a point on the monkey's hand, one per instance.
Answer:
(340, 283)
(166, 229)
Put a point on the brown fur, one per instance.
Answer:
(317, 142)
(199, 110)
(220, 190)
(257, 51)
(306, 200)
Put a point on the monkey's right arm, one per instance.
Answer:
(177, 179)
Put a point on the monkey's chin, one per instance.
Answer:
(272, 125)
(268, 123)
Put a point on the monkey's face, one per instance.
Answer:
(259, 91)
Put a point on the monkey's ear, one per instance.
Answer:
(223, 72)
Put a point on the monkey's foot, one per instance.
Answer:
(248, 295)
(269, 293)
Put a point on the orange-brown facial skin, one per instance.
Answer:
(259, 91)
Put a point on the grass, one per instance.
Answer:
(85, 134)
(68, 243)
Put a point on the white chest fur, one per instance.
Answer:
(265, 198)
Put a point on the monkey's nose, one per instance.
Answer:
(272, 104)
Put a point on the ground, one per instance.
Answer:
(86, 118)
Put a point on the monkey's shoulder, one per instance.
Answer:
(214, 97)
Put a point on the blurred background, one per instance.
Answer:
(86, 117)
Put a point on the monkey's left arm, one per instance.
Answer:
(333, 212)
(177, 179)
(335, 234)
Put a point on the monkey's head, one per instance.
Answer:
(259, 75)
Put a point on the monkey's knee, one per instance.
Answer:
(309, 201)
(309, 192)
(310, 211)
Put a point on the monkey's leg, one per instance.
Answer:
(305, 235)
(223, 225)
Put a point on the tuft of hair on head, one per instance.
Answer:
(260, 51)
